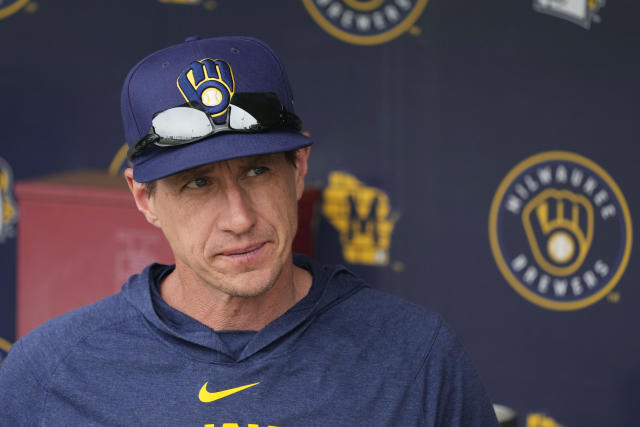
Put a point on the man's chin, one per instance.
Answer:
(249, 284)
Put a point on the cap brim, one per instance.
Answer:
(162, 162)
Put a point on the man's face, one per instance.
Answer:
(232, 223)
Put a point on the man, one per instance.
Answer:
(239, 332)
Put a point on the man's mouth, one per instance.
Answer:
(243, 253)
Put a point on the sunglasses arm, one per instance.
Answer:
(139, 147)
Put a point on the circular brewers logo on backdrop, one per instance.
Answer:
(560, 230)
(365, 21)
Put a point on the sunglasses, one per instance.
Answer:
(184, 124)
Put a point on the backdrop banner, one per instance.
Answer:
(476, 158)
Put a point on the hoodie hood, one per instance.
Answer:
(330, 286)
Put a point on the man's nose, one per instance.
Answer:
(237, 215)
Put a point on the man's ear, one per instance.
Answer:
(144, 200)
(302, 167)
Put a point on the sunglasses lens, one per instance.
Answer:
(263, 108)
(180, 124)
(240, 119)
(248, 112)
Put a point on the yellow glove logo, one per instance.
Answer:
(564, 222)
(362, 215)
(210, 83)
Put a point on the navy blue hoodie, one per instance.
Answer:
(345, 355)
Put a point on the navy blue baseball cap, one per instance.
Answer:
(208, 71)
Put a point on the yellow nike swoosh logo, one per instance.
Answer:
(207, 397)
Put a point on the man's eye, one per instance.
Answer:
(257, 171)
(198, 183)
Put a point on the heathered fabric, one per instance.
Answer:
(345, 355)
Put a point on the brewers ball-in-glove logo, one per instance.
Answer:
(365, 21)
(560, 230)
(362, 215)
(209, 82)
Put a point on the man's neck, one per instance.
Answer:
(220, 311)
